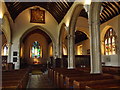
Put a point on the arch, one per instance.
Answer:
(3, 32)
(103, 32)
(110, 42)
(74, 17)
(6, 29)
(84, 31)
(44, 30)
(38, 27)
(71, 35)
(61, 38)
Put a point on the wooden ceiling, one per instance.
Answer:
(110, 10)
(57, 9)
(80, 36)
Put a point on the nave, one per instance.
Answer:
(77, 43)
(40, 81)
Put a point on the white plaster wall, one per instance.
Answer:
(22, 24)
(82, 25)
(113, 23)
(110, 60)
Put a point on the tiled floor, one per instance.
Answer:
(40, 81)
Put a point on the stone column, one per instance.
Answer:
(71, 52)
(9, 52)
(94, 27)
(61, 53)
(60, 50)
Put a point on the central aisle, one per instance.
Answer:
(40, 81)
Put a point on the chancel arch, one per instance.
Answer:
(37, 46)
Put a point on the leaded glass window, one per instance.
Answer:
(36, 50)
(110, 42)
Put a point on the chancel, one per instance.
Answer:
(60, 44)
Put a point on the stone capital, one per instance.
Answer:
(70, 36)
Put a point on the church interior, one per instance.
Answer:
(60, 44)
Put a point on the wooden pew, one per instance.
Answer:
(83, 84)
(15, 79)
(58, 75)
(113, 84)
(67, 73)
(13, 85)
(111, 70)
(88, 77)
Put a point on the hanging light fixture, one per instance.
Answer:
(87, 2)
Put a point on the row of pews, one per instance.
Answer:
(81, 78)
(15, 79)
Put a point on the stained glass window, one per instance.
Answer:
(36, 50)
(110, 42)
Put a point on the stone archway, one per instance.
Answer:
(61, 39)
(71, 36)
(102, 35)
(44, 30)
(38, 30)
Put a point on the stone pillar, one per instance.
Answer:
(94, 27)
(60, 49)
(71, 52)
(9, 52)
(61, 53)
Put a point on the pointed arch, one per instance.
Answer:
(61, 37)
